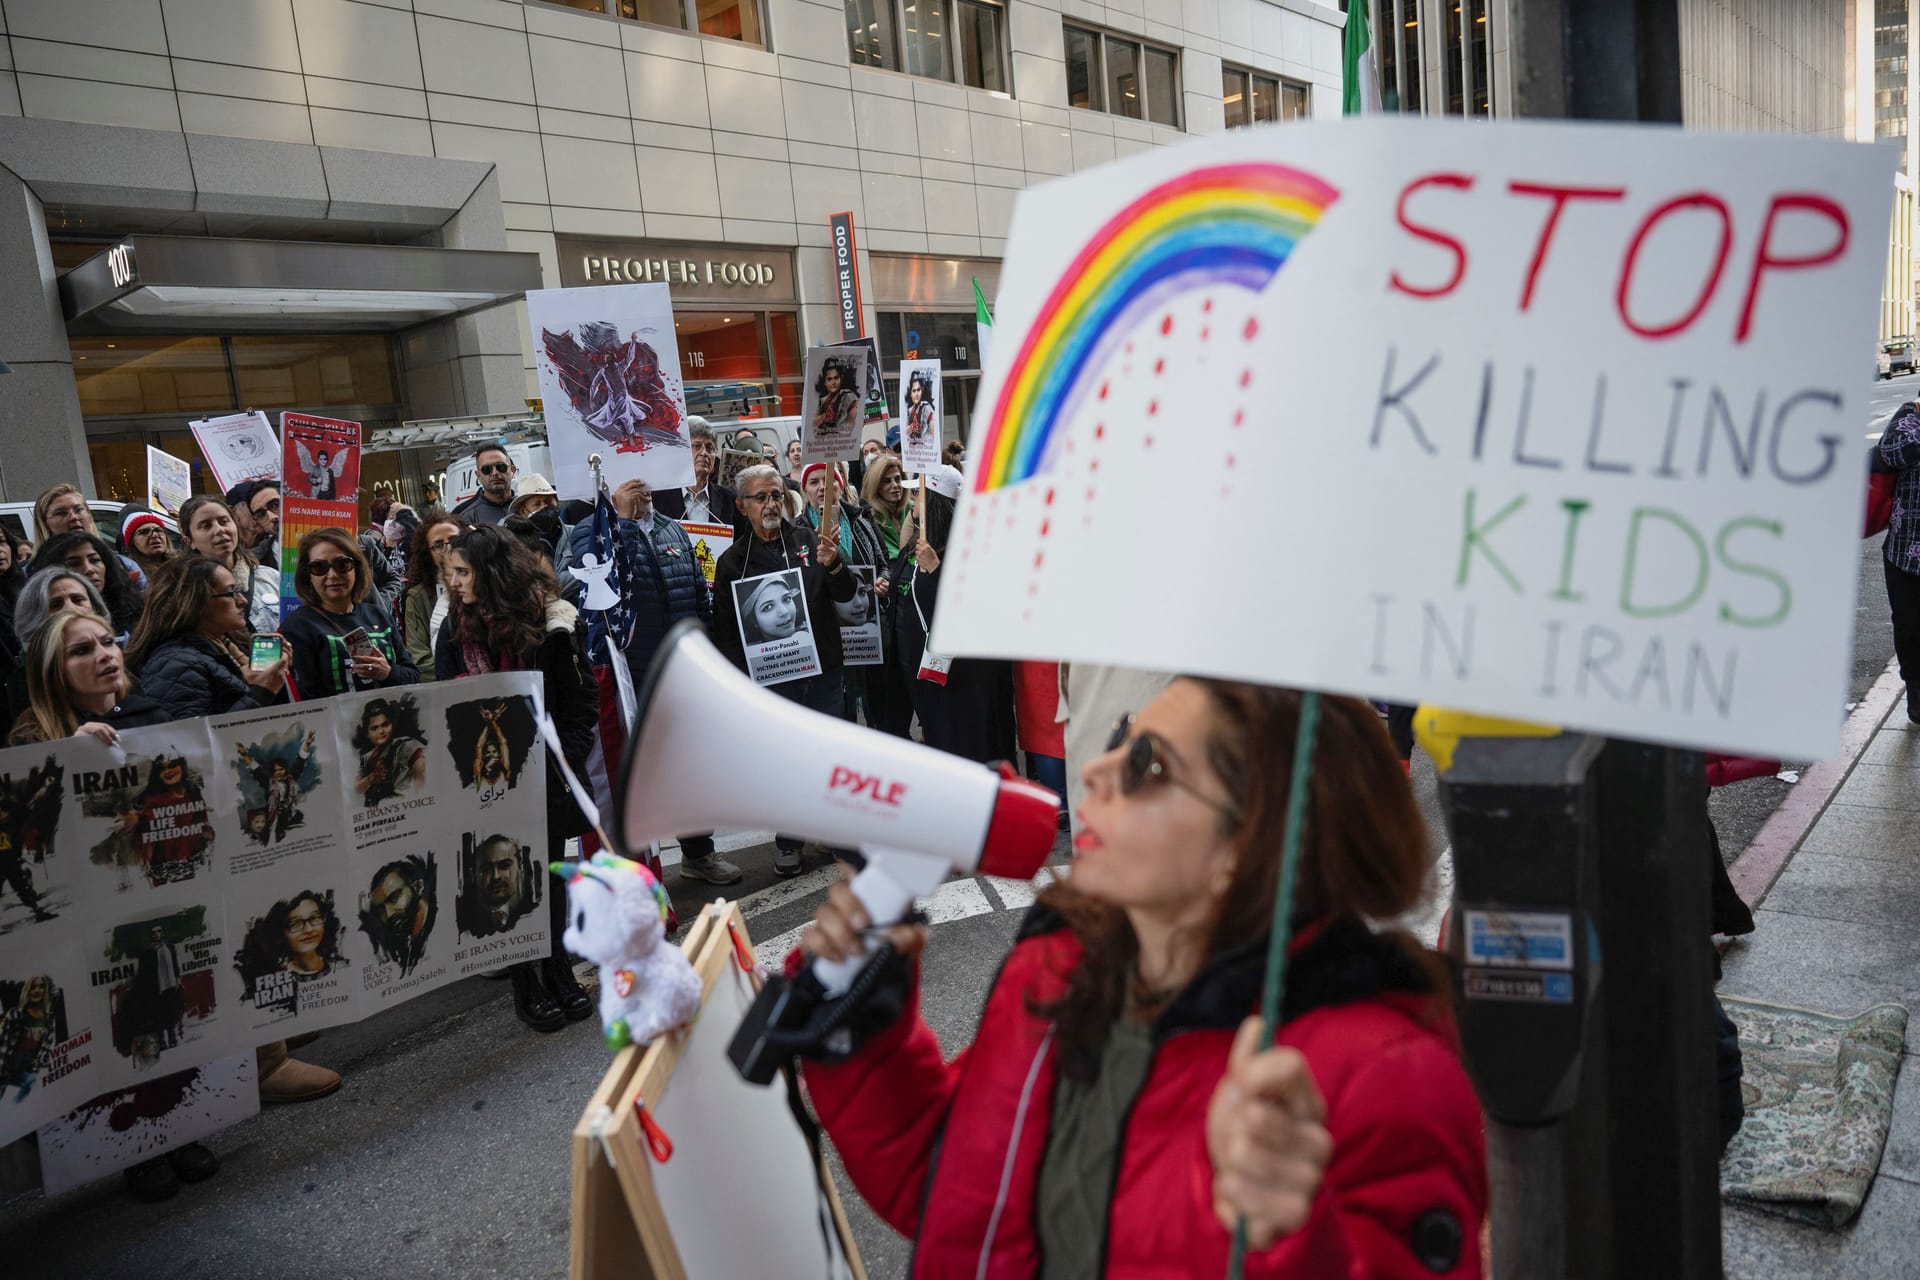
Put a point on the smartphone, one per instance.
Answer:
(267, 650)
(357, 643)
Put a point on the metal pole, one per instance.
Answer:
(1516, 1157)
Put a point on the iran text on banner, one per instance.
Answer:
(1550, 421)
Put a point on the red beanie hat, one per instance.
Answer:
(138, 521)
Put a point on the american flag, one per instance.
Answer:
(615, 623)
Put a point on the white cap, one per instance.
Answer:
(943, 480)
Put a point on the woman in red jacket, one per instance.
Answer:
(1111, 1117)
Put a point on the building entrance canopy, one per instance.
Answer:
(167, 283)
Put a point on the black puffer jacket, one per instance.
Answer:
(188, 676)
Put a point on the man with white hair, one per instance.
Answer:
(774, 544)
(705, 500)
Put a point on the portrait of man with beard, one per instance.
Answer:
(398, 910)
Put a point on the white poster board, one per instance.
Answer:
(1552, 421)
(710, 542)
(609, 370)
(169, 482)
(920, 414)
(874, 408)
(831, 406)
(238, 447)
(776, 634)
(120, 1129)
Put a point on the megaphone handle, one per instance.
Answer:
(886, 887)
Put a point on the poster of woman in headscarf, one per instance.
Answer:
(775, 632)
(609, 371)
(831, 408)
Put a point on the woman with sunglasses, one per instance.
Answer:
(508, 615)
(425, 602)
(1113, 1113)
(343, 638)
(191, 647)
(209, 528)
(89, 555)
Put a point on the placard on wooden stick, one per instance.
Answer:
(737, 1158)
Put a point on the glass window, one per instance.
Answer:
(1235, 93)
(923, 39)
(729, 19)
(304, 372)
(719, 345)
(870, 34)
(1456, 58)
(125, 374)
(980, 46)
(1410, 56)
(1083, 69)
(1482, 105)
(1163, 87)
(1293, 101)
(665, 13)
(1382, 28)
(1123, 77)
(1266, 100)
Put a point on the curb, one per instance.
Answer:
(1761, 863)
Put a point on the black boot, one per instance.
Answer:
(531, 1003)
(558, 975)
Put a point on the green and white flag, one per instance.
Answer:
(984, 319)
(1361, 81)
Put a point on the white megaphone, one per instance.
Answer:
(917, 814)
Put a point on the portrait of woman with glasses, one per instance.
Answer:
(342, 637)
(190, 646)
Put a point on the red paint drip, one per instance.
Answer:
(1046, 526)
(1103, 390)
(1246, 377)
(1253, 327)
(1153, 407)
(1166, 324)
(1159, 366)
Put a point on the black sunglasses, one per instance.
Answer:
(1144, 763)
(496, 468)
(319, 568)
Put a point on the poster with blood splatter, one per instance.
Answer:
(119, 1129)
(1545, 421)
(609, 369)
(47, 1040)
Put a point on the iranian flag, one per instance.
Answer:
(1361, 82)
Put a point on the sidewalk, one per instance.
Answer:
(1839, 931)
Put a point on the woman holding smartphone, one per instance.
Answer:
(191, 647)
(508, 615)
(343, 638)
(209, 529)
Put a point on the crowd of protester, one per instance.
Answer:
(1158, 930)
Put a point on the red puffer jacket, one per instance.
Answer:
(950, 1153)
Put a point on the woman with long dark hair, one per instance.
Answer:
(877, 690)
(90, 555)
(1112, 1113)
(508, 615)
(969, 710)
(424, 603)
(191, 647)
(343, 638)
(208, 526)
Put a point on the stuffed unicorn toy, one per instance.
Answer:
(618, 914)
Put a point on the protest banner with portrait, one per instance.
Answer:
(831, 404)
(206, 886)
(321, 459)
(1557, 422)
(873, 405)
(859, 618)
(920, 414)
(238, 447)
(609, 369)
(775, 632)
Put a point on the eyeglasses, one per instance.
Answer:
(1144, 763)
(771, 495)
(304, 924)
(496, 468)
(321, 568)
(271, 507)
(232, 593)
(441, 545)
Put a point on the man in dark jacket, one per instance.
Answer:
(666, 586)
(706, 500)
(495, 473)
(776, 545)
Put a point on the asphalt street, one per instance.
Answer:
(446, 1153)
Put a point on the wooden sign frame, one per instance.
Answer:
(619, 1227)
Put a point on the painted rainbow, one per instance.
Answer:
(1229, 224)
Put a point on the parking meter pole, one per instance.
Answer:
(1521, 815)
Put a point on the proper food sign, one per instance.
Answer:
(1560, 422)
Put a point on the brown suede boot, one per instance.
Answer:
(284, 1079)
